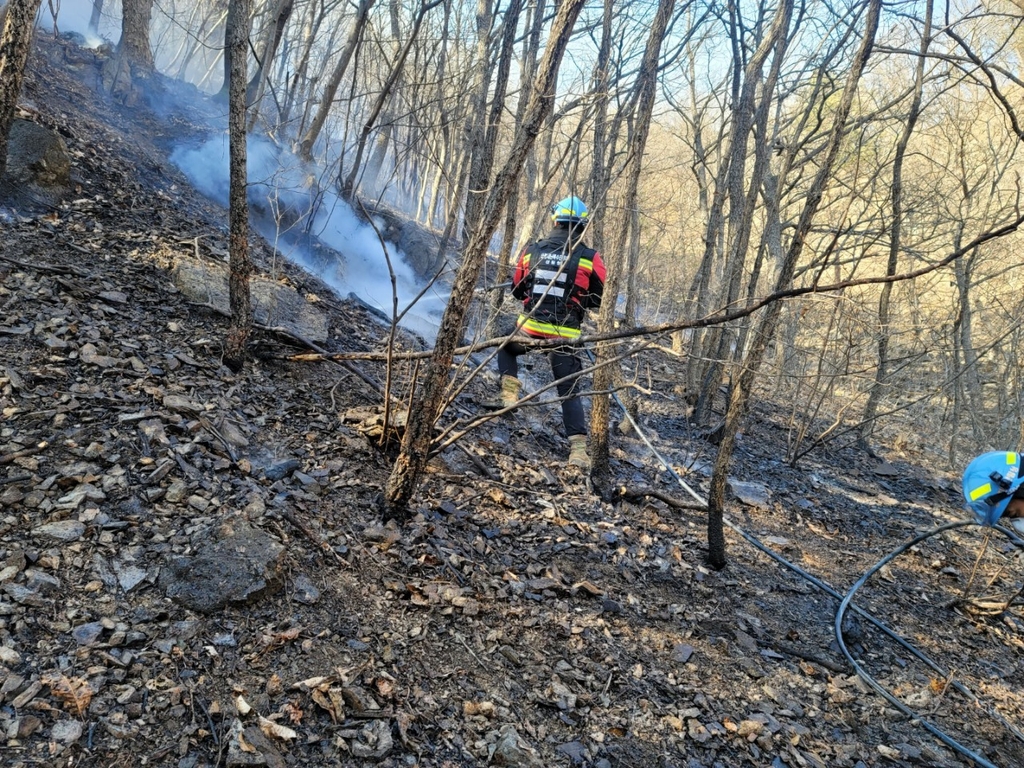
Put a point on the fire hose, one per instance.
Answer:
(845, 604)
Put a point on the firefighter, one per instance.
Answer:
(994, 489)
(558, 279)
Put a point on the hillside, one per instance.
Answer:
(515, 620)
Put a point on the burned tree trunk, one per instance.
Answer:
(239, 21)
(15, 40)
(134, 45)
(134, 58)
(429, 399)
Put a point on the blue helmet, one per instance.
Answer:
(989, 482)
(571, 210)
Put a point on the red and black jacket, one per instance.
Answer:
(557, 286)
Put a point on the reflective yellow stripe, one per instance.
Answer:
(1011, 458)
(586, 263)
(548, 329)
(980, 491)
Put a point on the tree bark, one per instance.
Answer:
(600, 169)
(16, 30)
(134, 58)
(134, 45)
(428, 400)
(237, 36)
(766, 326)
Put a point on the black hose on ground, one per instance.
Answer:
(847, 604)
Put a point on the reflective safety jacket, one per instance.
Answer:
(556, 286)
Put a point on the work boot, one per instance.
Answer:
(508, 394)
(510, 387)
(578, 456)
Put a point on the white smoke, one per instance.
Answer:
(289, 205)
(74, 16)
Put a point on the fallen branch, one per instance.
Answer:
(476, 461)
(310, 534)
(790, 650)
(718, 317)
(7, 458)
(672, 501)
(50, 268)
(309, 344)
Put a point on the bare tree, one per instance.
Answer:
(272, 34)
(734, 232)
(239, 22)
(428, 401)
(327, 99)
(348, 187)
(895, 233)
(95, 15)
(528, 67)
(486, 121)
(766, 326)
(16, 30)
(646, 88)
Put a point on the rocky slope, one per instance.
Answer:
(193, 573)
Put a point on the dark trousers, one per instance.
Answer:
(564, 363)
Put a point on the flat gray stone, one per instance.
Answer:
(25, 595)
(751, 494)
(281, 469)
(574, 750)
(66, 731)
(84, 492)
(90, 355)
(86, 634)
(62, 530)
(274, 304)
(681, 652)
(129, 576)
(182, 404)
(305, 591)
(41, 581)
(513, 751)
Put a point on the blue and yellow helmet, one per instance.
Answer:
(989, 482)
(571, 210)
